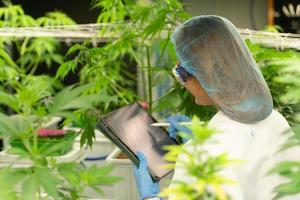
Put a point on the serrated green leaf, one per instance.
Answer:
(75, 48)
(9, 179)
(48, 181)
(7, 58)
(29, 188)
(9, 100)
(72, 98)
(71, 172)
(66, 68)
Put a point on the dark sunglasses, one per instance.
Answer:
(180, 74)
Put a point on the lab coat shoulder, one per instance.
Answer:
(257, 144)
(280, 134)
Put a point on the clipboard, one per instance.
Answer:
(130, 129)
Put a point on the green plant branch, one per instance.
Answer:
(112, 85)
(166, 43)
(34, 68)
(23, 46)
(149, 79)
(140, 66)
(135, 57)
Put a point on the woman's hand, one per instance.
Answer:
(146, 186)
(176, 127)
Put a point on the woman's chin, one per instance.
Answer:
(202, 103)
(198, 102)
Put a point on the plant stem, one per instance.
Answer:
(167, 41)
(113, 86)
(39, 193)
(33, 69)
(140, 66)
(149, 79)
(23, 46)
(163, 50)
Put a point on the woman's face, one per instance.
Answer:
(194, 87)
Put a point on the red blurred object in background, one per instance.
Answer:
(144, 104)
(50, 132)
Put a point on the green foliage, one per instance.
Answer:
(8, 180)
(18, 79)
(14, 16)
(290, 76)
(46, 146)
(56, 18)
(198, 164)
(37, 51)
(41, 176)
(65, 68)
(290, 170)
(134, 31)
(72, 98)
(78, 99)
(62, 104)
(108, 83)
(37, 88)
(59, 181)
(7, 61)
(281, 74)
(79, 178)
(32, 52)
(35, 99)
(87, 121)
(113, 11)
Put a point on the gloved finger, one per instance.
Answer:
(134, 166)
(135, 170)
(171, 118)
(181, 118)
(179, 127)
(172, 132)
(143, 160)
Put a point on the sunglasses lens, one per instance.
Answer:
(183, 74)
(180, 74)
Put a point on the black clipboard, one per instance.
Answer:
(130, 129)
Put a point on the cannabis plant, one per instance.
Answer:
(136, 34)
(290, 170)
(30, 53)
(45, 175)
(200, 166)
(35, 99)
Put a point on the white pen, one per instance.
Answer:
(165, 124)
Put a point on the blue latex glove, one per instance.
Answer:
(176, 127)
(147, 188)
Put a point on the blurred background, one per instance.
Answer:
(252, 14)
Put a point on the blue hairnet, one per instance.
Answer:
(211, 49)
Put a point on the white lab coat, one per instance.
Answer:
(257, 145)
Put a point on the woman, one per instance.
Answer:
(217, 68)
